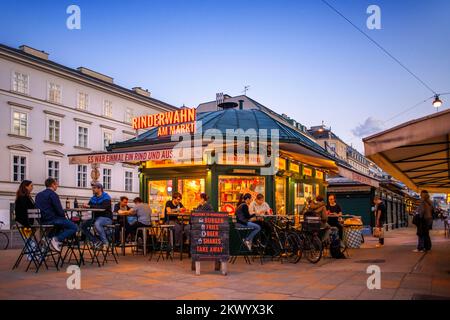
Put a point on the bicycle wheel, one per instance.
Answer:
(293, 248)
(4, 241)
(313, 248)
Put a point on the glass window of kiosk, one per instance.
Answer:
(299, 198)
(159, 192)
(231, 187)
(190, 190)
(308, 191)
(280, 195)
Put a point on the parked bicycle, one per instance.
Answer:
(4, 239)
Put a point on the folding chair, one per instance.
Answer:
(242, 233)
(36, 248)
(111, 249)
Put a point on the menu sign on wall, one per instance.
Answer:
(209, 236)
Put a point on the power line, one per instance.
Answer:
(379, 46)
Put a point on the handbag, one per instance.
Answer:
(378, 232)
(416, 219)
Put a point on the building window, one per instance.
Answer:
(83, 101)
(106, 178)
(82, 137)
(129, 181)
(107, 108)
(107, 139)
(20, 82)
(54, 130)
(54, 93)
(19, 168)
(53, 169)
(128, 115)
(20, 123)
(82, 176)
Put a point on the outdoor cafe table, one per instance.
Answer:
(184, 220)
(72, 213)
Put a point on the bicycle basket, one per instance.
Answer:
(311, 224)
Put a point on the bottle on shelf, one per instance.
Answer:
(67, 203)
(75, 203)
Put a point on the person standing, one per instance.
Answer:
(244, 218)
(23, 203)
(99, 200)
(424, 222)
(52, 213)
(380, 218)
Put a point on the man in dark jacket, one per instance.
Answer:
(48, 203)
(100, 200)
(243, 218)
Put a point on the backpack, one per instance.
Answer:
(335, 247)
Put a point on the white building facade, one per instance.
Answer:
(48, 111)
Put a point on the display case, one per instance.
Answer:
(231, 187)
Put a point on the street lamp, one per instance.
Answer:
(437, 102)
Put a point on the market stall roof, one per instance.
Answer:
(234, 118)
(416, 152)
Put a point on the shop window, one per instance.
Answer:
(159, 192)
(230, 188)
(299, 201)
(280, 195)
(308, 191)
(190, 190)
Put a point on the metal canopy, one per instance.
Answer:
(416, 152)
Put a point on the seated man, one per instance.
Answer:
(243, 217)
(175, 206)
(142, 212)
(48, 203)
(99, 200)
(122, 205)
(334, 212)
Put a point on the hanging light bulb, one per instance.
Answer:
(437, 102)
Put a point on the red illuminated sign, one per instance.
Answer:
(168, 123)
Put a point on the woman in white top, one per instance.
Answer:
(259, 206)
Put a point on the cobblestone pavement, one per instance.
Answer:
(404, 275)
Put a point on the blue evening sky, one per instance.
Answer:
(299, 57)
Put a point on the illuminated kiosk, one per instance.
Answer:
(302, 163)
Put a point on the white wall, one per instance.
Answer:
(37, 131)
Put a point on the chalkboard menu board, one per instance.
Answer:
(209, 236)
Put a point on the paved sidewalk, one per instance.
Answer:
(404, 275)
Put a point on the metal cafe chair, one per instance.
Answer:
(37, 247)
(242, 232)
(111, 249)
(165, 242)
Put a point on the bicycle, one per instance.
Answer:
(4, 239)
(282, 243)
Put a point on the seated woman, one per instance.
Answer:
(204, 205)
(244, 219)
(320, 210)
(260, 207)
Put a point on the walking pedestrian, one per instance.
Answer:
(423, 222)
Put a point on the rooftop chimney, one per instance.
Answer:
(241, 104)
(142, 92)
(95, 74)
(34, 52)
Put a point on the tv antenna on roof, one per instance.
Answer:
(245, 90)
